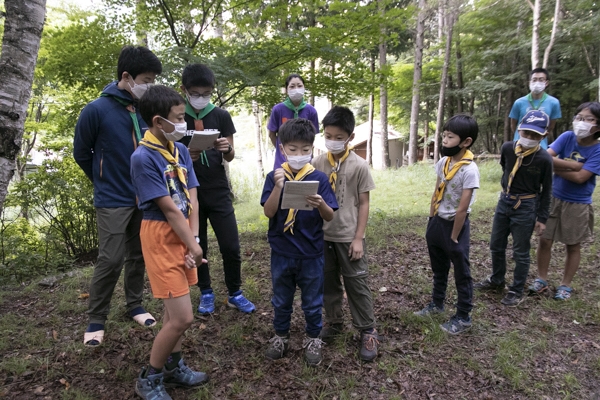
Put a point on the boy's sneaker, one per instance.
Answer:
(368, 347)
(512, 299)
(456, 325)
(151, 387)
(539, 286)
(312, 352)
(183, 376)
(330, 332)
(430, 309)
(241, 303)
(563, 293)
(207, 304)
(278, 347)
(487, 285)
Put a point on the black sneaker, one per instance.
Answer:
(456, 325)
(430, 309)
(487, 285)
(512, 299)
(278, 347)
(330, 332)
(368, 347)
(312, 352)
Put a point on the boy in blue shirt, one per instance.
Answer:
(296, 240)
(165, 184)
(448, 229)
(345, 255)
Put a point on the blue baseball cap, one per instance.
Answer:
(536, 121)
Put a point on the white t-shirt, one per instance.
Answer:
(467, 177)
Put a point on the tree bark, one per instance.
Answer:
(371, 115)
(459, 75)
(23, 25)
(416, 94)
(535, 34)
(383, 100)
(451, 19)
(553, 34)
(258, 133)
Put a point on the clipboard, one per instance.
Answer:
(203, 140)
(295, 192)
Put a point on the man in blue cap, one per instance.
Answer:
(523, 205)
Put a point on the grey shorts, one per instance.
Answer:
(569, 223)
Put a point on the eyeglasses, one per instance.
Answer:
(580, 118)
(543, 80)
(204, 96)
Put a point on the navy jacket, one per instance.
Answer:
(104, 141)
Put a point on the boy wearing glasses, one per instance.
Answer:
(198, 83)
(537, 99)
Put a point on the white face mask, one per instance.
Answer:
(528, 143)
(537, 87)
(296, 94)
(198, 103)
(335, 146)
(582, 129)
(297, 162)
(138, 89)
(179, 131)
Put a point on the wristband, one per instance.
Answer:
(229, 150)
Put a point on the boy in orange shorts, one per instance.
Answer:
(165, 185)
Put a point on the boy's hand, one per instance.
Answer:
(454, 240)
(356, 251)
(195, 154)
(279, 177)
(315, 200)
(539, 228)
(194, 258)
(221, 144)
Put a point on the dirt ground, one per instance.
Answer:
(542, 349)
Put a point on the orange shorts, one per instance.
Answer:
(164, 256)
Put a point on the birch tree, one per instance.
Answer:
(535, 33)
(23, 25)
(413, 140)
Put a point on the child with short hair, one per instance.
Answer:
(523, 205)
(448, 228)
(296, 240)
(576, 159)
(165, 184)
(345, 255)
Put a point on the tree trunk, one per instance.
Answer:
(258, 135)
(416, 97)
(23, 25)
(426, 133)
(535, 34)
(459, 75)
(553, 34)
(383, 100)
(451, 19)
(371, 115)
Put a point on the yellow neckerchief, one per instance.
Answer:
(300, 175)
(521, 154)
(448, 175)
(335, 166)
(171, 154)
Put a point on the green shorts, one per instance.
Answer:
(569, 223)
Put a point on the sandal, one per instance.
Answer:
(563, 293)
(538, 286)
(93, 339)
(143, 319)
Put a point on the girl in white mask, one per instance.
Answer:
(294, 106)
(576, 158)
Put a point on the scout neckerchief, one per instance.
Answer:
(288, 103)
(198, 124)
(171, 154)
(448, 175)
(335, 166)
(300, 175)
(544, 97)
(521, 153)
(129, 106)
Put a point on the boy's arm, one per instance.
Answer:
(317, 202)
(579, 177)
(543, 210)
(84, 141)
(272, 204)
(564, 165)
(356, 251)
(194, 218)
(273, 137)
(180, 225)
(431, 206)
(461, 213)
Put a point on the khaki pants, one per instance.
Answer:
(119, 246)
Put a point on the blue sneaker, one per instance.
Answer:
(151, 387)
(184, 376)
(207, 304)
(241, 303)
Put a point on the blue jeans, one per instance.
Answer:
(519, 223)
(308, 274)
